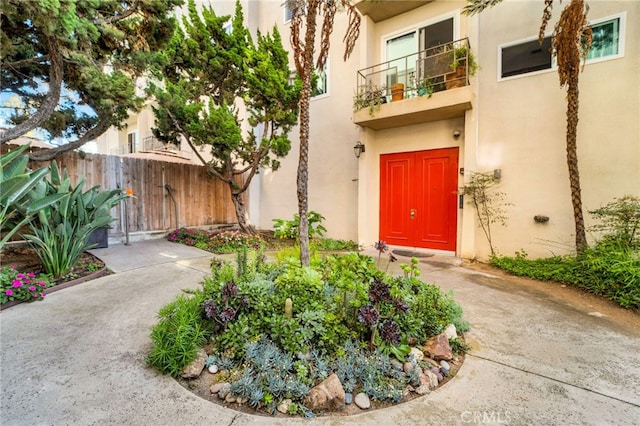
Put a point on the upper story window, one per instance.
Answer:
(528, 56)
(427, 36)
(608, 38)
(321, 79)
(525, 57)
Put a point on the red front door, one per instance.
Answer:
(418, 198)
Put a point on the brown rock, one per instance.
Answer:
(328, 395)
(194, 369)
(217, 386)
(438, 348)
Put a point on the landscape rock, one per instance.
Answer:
(215, 388)
(395, 364)
(422, 390)
(230, 398)
(444, 371)
(433, 379)
(362, 401)
(283, 407)
(451, 332)
(241, 400)
(433, 363)
(408, 367)
(328, 395)
(348, 398)
(194, 369)
(213, 369)
(436, 371)
(424, 379)
(445, 364)
(417, 354)
(438, 348)
(224, 391)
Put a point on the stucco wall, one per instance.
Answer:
(522, 131)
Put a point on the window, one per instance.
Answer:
(132, 142)
(608, 35)
(426, 37)
(528, 56)
(525, 57)
(321, 80)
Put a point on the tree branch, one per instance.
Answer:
(128, 12)
(50, 101)
(91, 134)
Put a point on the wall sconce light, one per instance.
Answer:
(497, 174)
(456, 134)
(358, 149)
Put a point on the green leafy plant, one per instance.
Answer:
(62, 229)
(177, 335)
(16, 182)
(487, 201)
(16, 285)
(620, 221)
(370, 97)
(289, 228)
(229, 241)
(462, 55)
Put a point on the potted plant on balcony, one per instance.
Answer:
(371, 97)
(463, 62)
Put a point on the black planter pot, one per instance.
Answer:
(99, 237)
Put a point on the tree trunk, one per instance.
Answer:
(303, 160)
(241, 214)
(572, 163)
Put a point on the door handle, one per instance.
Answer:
(412, 213)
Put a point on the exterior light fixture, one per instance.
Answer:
(358, 149)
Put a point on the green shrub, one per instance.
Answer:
(289, 228)
(274, 356)
(62, 229)
(619, 220)
(178, 334)
(609, 269)
(215, 242)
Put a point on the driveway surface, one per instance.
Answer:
(78, 357)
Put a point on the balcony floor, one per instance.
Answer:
(443, 105)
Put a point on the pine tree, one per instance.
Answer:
(73, 64)
(210, 79)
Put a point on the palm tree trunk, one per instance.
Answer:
(572, 163)
(303, 160)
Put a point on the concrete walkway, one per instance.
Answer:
(78, 357)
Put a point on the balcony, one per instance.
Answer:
(385, 9)
(425, 86)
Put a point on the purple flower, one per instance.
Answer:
(21, 276)
(42, 283)
(381, 246)
(400, 305)
(31, 275)
(8, 292)
(227, 314)
(230, 289)
(379, 291)
(368, 315)
(211, 310)
(390, 332)
(32, 288)
(16, 283)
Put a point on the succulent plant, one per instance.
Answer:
(368, 315)
(229, 290)
(211, 310)
(400, 305)
(379, 292)
(227, 314)
(390, 332)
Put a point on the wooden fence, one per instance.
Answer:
(200, 199)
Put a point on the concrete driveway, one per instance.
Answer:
(78, 357)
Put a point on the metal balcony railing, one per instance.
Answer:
(422, 73)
